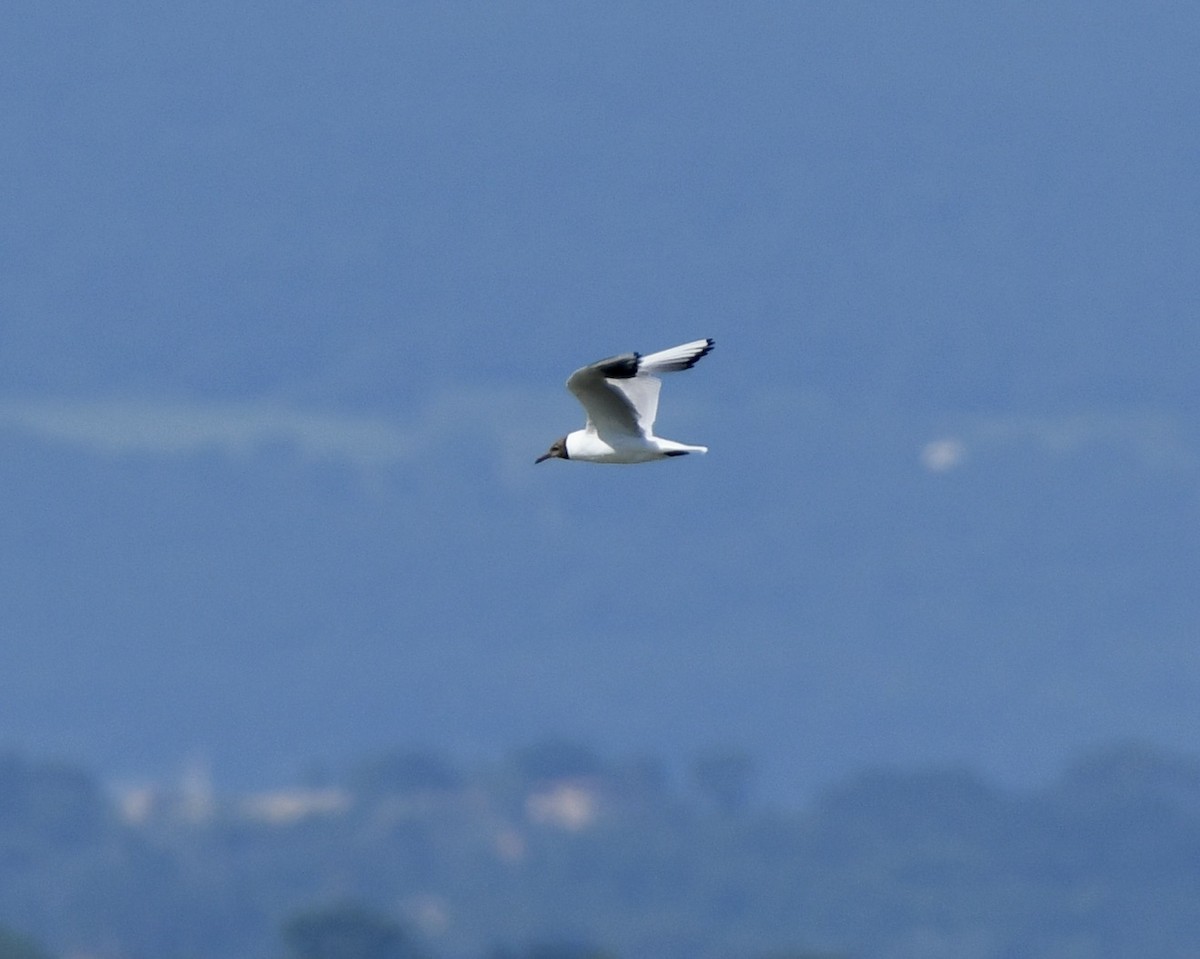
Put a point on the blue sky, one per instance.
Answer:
(290, 291)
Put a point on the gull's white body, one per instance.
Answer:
(620, 396)
(588, 446)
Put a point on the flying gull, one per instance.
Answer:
(620, 397)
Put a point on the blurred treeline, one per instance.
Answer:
(557, 852)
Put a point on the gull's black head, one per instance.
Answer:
(558, 450)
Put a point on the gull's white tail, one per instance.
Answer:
(671, 448)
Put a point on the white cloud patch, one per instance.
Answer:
(118, 427)
(502, 426)
(942, 455)
(1157, 440)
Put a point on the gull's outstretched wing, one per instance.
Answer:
(677, 357)
(642, 390)
(609, 410)
(620, 394)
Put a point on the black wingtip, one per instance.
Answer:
(709, 343)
